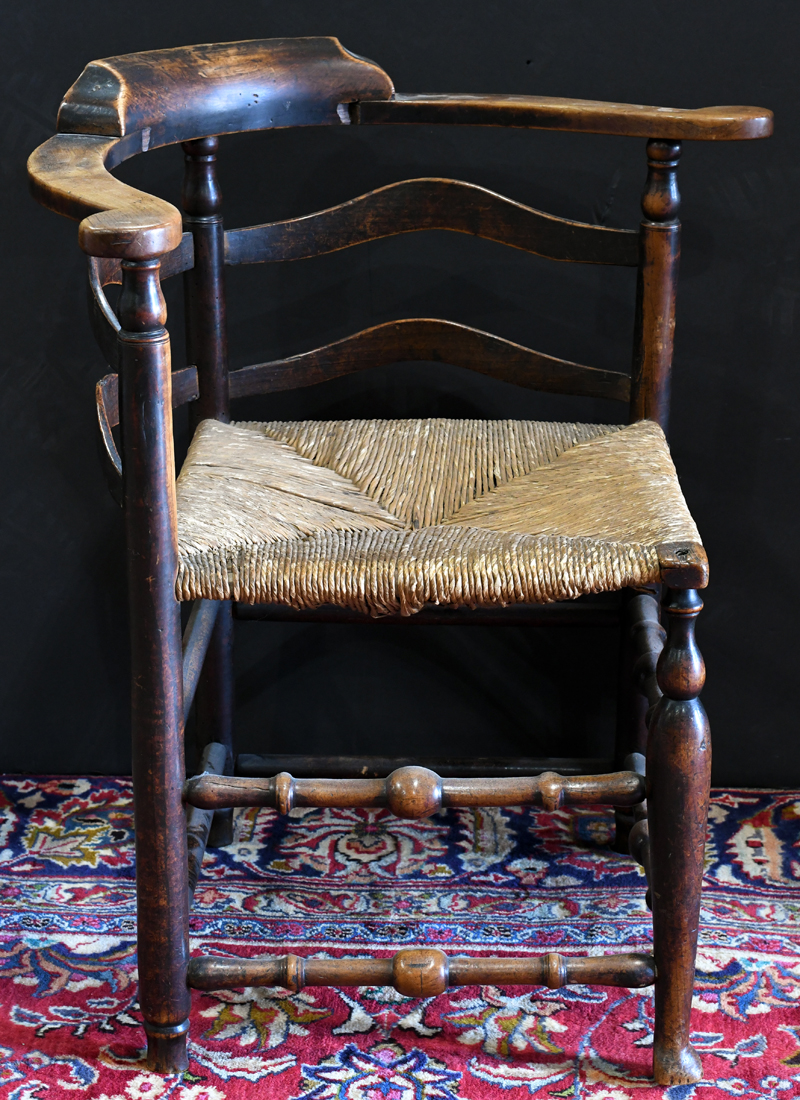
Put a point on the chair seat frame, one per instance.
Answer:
(123, 106)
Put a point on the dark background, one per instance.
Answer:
(734, 434)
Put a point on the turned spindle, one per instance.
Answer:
(420, 971)
(657, 285)
(414, 792)
(204, 283)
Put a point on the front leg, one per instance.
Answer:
(679, 776)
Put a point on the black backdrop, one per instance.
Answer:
(736, 386)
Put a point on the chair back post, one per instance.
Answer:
(157, 689)
(204, 284)
(207, 349)
(657, 285)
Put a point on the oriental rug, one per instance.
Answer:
(350, 882)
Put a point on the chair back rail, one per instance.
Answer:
(123, 106)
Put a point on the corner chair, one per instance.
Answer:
(382, 521)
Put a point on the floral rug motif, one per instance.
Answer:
(341, 883)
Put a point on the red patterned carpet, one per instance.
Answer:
(347, 882)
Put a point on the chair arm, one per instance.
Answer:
(69, 174)
(581, 115)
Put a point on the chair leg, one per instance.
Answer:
(162, 873)
(162, 881)
(679, 773)
(214, 709)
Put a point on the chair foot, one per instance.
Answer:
(679, 1066)
(221, 832)
(166, 1048)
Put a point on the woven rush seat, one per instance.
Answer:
(385, 516)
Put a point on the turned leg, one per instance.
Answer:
(214, 709)
(157, 695)
(679, 774)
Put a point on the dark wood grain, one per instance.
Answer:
(414, 792)
(414, 205)
(106, 394)
(379, 767)
(156, 696)
(657, 286)
(580, 115)
(204, 282)
(196, 640)
(679, 774)
(647, 641)
(421, 972)
(207, 347)
(683, 564)
(641, 641)
(122, 106)
(183, 387)
(198, 822)
(420, 338)
(639, 834)
(106, 271)
(167, 96)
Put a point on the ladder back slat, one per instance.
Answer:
(419, 204)
(418, 339)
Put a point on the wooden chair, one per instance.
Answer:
(434, 521)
